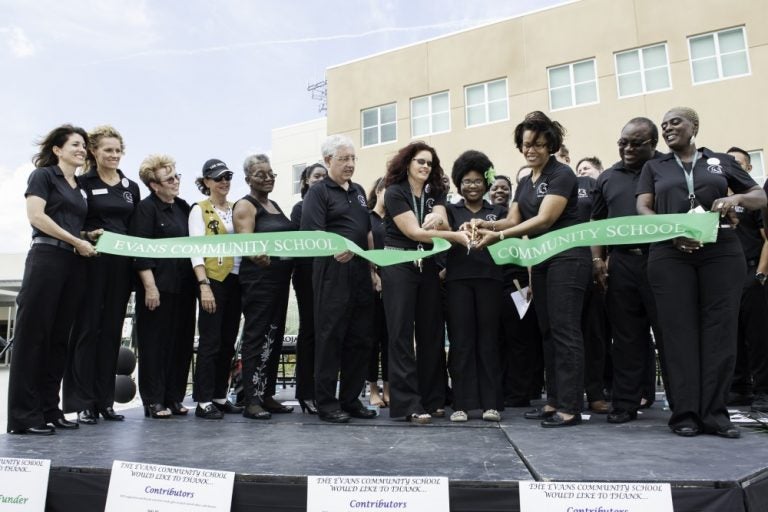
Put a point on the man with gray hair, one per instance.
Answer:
(342, 286)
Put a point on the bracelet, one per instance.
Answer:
(596, 259)
(204, 281)
(493, 225)
(501, 235)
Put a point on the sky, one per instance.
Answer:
(191, 78)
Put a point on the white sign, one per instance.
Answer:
(377, 493)
(595, 497)
(23, 484)
(157, 488)
(522, 303)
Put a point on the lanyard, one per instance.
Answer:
(689, 176)
(418, 211)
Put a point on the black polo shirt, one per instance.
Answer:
(378, 230)
(296, 215)
(399, 199)
(614, 194)
(557, 179)
(154, 218)
(328, 207)
(749, 231)
(713, 175)
(65, 205)
(587, 186)
(476, 264)
(110, 207)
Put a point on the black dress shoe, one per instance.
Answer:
(209, 412)
(337, 416)
(63, 423)
(557, 420)
(361, 412)
(621, 415)
(87, 417)
(276, 407)
(256, 412)
(538, 414)
(686, 431)
(728, 432)
(228, 407)
(109, 414)
(42, 430)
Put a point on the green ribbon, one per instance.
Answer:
(286, 244)
(632, 230)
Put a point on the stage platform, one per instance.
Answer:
(484, 461)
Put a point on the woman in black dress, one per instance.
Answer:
(302, 286)
(265, 283)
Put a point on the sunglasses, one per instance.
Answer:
(422, 161)
(225, 177)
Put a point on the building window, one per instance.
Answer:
(572, 85)
(719, 55)
(486, 102)
(430, 114)
(642, 70)
(380, 125)
(296, 177)
(758, 164)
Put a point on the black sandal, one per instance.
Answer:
(154, 410)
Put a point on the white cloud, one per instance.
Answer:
(18, 42)
(14, 227)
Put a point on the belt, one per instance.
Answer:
(47, 240)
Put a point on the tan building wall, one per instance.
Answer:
(294, 145)
(733, 111)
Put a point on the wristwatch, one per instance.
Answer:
(204, 281)
(761, 277)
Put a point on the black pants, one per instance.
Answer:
(89, 380)
(380, 347)
(50, 295)
(559, 285)
(165, 339)
(265, 303)
(522, 358)
(343, 339)
(632, 310)
(412, 307)
(595, 332)
(305, 341)
(217, 334)
(697, 297)
(473, 314)
(751, 374)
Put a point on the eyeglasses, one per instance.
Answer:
(170, 180)
(536, 145)
(623, 143)
(225, 177)
(478, 182)
(345, 159)
(422, 161)
(263, 177)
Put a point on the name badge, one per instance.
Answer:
(99, 191)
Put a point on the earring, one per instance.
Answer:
(692, 141)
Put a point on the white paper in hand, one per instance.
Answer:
(520, 298)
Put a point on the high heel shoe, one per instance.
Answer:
(154, 411)
(109, 414)
(273, 406)
(178, 409)
(88, 417)
(308, 406)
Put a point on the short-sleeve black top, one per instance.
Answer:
(399, 199)
(713, 175)
(476, 264)
(586, 186)
(555, 179)
(615, 192)
(155, 218)
(65, 205)
(110, 207)
(328, 207)
(378, 230)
